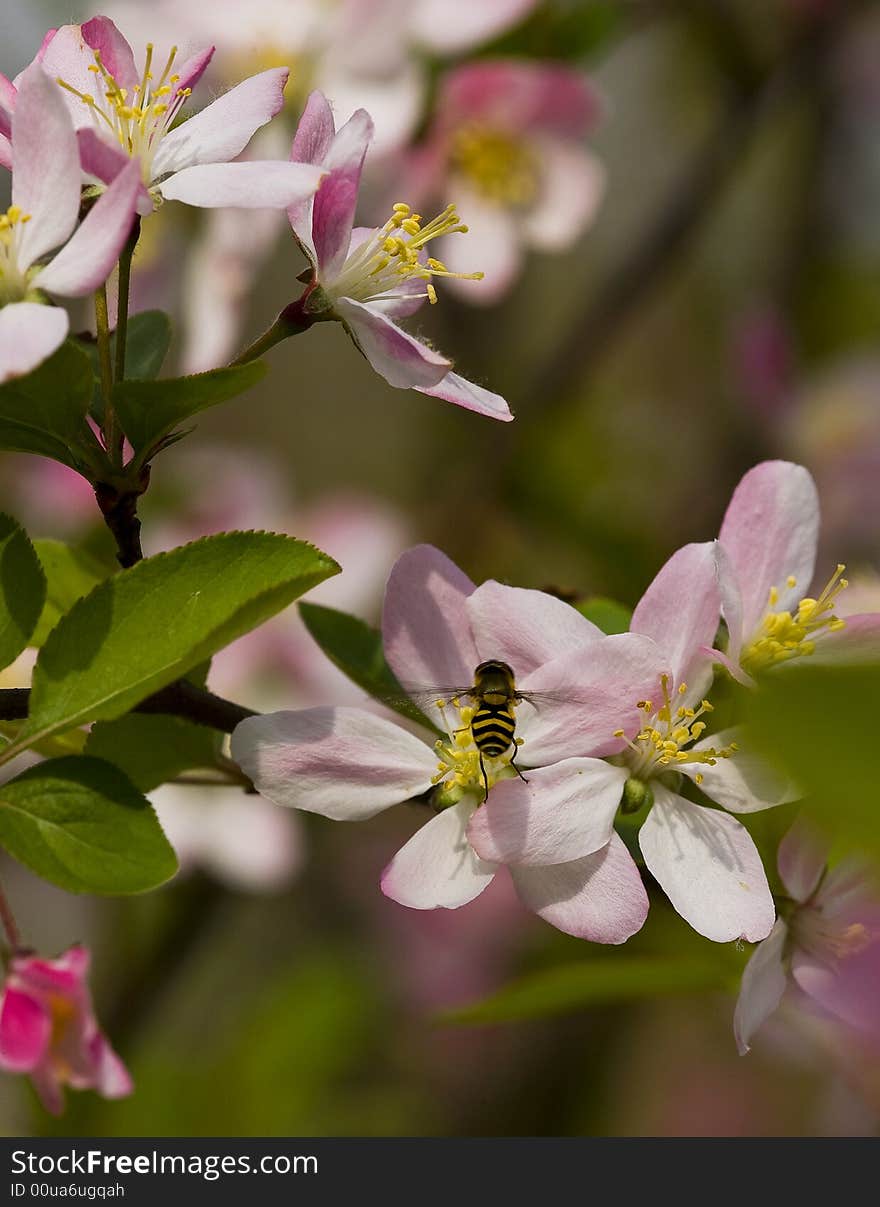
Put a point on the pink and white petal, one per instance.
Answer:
(343, 763)
(735, 671)
(557, 814)
(29, 333)
(762, 987)
(254, 849)
(400, 358)
(451, 26)
(223, 130)
(680, 612)
(742, 783)
(425, 628)
(335, 203)
(87, 259)
(8, 93)
(437, 868)
(709, 868)
(525, 628)
(594, 692)
(315, 131)
(570, 190)
(857, 642)
(600, 898)
(801, 859)
(394, 100)
(520, 96)
(110, 1078)
(463, 393)
(102, 35)
(100, 159)
(492, 246)
(67, 56)
(770, 531)
(5, 152)
(46, 173)
(25, 1030)
(732, 611)
(192, 70)
(48, 1087)
(848, 987)
(247, 184)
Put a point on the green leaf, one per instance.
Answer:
(70, 574)
(150, 410)
(607, 614)
(22, 590)
(571, 987)
(356, 648)
(79, 823)
(142, 629)
(152, 749)
(146, 346)
(45, 412)
(819, 724)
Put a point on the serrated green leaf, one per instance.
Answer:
(609, 615)
(81, 824)
(152, 749)
(70, 574)
(150, 410)
(146, 346)
(45, 412)
(142, 629)
(571, 987)
(22, 590)
(819, 725)
(356, 648)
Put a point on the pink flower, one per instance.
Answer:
(704, 860)
(49, 1031)
(43, 220)
(826, 944)
(122, 112)
(508, 143)
(348, 764)
(766, 560)
(368, 279)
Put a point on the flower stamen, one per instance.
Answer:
(785, 635)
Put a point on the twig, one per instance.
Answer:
(10, 926)
(122, 305)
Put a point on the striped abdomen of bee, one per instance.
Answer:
(493, 727)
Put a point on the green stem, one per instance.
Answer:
(9, 924)
(102, 325)
(291, 321)
(124, 289)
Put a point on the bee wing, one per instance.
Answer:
(544, 697)
(426, 697)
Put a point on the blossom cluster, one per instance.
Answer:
(607, 726)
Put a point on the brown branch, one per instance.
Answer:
(180, 699)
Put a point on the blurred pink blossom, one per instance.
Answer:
(49, 1031)
(508, 143)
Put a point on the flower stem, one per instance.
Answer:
(124, 289)
(102, 325)
(10, 926)
(291, 321)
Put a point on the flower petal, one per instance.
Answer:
(732, 610)
(525, 628)
(451, 26)
(400, 358)
(744, 782)
(110, 1077)
(801, 860)
(223, 130)
(46, 172)
(709, 868)
(87, 259)
(572, 185)
(192, 69)
(770, 531)
(343, 763)
(29, 333)
(848, 987)
(857, 642)
(425, 629)
(491, 246)
(25, 1029)
(680, 612)
(311, 142)
(763, 984)
(247, 184)
(67, 56)
(335, 202)
(102, 35)
(595, 691)
(555, 815)
(600, 897)
(463, 393)
(437, 868)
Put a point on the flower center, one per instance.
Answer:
(13, 284)
(498, 166)
(782, 636)
(662, 743)
(828, 939)
(460, 770)
(137, 118)
(394, 254)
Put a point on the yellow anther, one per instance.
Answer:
(791, 582)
